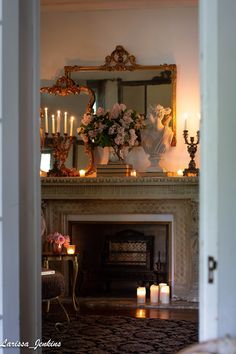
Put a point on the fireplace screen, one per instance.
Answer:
(129, 248)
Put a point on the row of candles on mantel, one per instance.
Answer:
(158, 293)
(56, 122)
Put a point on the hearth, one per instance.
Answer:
(117, 257)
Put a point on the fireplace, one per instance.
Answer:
(116, 256)
(130, 202)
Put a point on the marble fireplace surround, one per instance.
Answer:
(156, 199)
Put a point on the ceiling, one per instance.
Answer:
(95, 5)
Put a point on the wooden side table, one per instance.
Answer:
(64, 257)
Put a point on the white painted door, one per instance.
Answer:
(218, 187)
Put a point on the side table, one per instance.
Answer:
(64, 257)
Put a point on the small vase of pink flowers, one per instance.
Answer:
(58, 242)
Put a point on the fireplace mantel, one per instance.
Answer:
(66, 199)
(120, 188)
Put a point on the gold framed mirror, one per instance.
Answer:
(122, 80)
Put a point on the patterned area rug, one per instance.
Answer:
(121, 335)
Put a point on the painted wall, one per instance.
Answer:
(154, 36)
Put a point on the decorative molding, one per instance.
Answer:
(93, 5)
(120, 188)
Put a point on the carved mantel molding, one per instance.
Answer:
(120, 188)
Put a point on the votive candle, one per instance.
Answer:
(141, 295)
(71, 249)
(180, 173)
(82, 173)
(133, 173)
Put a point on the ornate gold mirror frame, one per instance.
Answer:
(62, 142)
(121, 61)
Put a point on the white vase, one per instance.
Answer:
(101, 155)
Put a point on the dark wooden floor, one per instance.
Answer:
(177, 314)
(115, 308)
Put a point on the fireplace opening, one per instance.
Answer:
(116, 257)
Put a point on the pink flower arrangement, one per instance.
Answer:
(117, 127)
(59, 239)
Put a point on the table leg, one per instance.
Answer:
(75, 274)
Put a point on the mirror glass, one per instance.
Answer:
(138, 90)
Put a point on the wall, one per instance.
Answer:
(154, 36)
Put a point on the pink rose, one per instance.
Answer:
(100, 112)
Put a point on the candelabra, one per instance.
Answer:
(192, 149)
(60, 145)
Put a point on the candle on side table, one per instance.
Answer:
(154, 293)
(141, 295)
(71, 249)
(165, 294)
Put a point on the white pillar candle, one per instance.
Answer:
(154, 293)
(71, 125)
(46, 119)
(160, 286)
(58, 121)
(141, 295)
(65, 123)
(82, 173)
(53, 124)
(165, 294)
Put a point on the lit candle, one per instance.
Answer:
(82, 173)
(141, 295)
(65, 123)
(46, 119)
(180, 173)
(154, 293)
(53, 124)
(160, 286)
(165, 294)
(58, 121)
(133, 173)
(185, 121)
(71, 249)
(71, 125)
